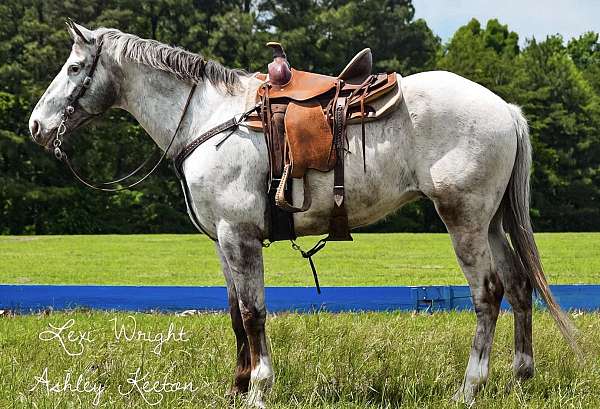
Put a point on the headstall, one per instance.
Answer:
(73, 104)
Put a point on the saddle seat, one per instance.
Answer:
(305, 85)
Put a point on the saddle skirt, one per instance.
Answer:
(379, 103)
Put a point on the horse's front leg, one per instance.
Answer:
(242, 249)
(241, 380)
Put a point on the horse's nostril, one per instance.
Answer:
(35, 128)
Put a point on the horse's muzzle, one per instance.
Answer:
(39, 135)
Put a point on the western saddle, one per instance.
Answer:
(304, 117)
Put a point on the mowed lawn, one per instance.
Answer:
(372, 259)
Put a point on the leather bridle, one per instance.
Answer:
(73, 104)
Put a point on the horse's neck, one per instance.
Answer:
(157, 99)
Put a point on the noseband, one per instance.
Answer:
(73, 104)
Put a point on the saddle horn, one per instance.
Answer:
(279, 70)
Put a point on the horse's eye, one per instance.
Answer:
(74, 69)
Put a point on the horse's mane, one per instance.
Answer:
(185, 65)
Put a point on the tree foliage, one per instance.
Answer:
(558, 86)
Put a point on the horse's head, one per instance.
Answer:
(73, 98)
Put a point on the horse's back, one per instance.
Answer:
(436, 99)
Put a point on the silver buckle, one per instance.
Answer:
(87, 81)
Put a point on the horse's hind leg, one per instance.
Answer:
(518, 292)
(470, 239)
(242, 249)
(241, 379)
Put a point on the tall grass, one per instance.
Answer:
(351, 360)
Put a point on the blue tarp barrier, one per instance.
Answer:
(30, 298)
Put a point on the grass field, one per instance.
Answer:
(361, 360)
(322, 360)
(373, 259)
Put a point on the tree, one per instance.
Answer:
(564, 116)
(585, 52)
(483, 55)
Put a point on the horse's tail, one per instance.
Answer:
(518, 224)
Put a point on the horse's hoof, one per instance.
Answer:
(463, 397)
(255, 400)
(235, 395)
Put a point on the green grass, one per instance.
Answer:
(373, 259)
(358, 360)
(350, 360)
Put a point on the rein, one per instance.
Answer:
(73, 101)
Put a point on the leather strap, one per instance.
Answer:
(281, 222)
(339, 229)
(232, 124)
(190, 206)
(339, 136)
(191, 147)
(82, 88)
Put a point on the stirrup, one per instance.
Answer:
(280, 195)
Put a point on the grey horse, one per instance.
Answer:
(451, 141)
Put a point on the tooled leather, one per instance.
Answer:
(303, 86)
(309, 138)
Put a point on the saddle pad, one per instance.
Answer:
(308, 137)
(387, 102)
(303, 86)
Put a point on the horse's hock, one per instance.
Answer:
(304, 116)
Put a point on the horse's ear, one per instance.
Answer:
(79, 33)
